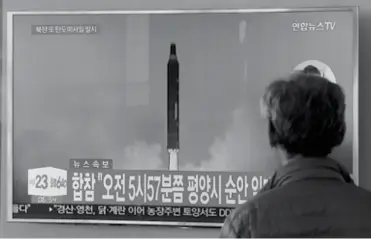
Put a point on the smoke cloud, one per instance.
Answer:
(238, 150)
(241, 148)
(141, 156)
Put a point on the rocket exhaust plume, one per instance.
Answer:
(173, 108)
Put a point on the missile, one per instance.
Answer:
(173, 108)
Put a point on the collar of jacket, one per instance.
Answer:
(308, 168)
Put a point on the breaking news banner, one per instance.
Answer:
(103, 193)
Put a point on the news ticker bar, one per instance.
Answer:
(121, 212)
(138, 187)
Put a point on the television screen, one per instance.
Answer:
(152, 117)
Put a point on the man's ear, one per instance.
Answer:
(263, 109)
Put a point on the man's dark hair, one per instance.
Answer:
(311, 70)
(306, 114)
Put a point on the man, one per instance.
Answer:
(311, 195)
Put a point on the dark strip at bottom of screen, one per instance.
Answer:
(122, 212)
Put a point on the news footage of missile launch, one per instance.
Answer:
(171, 93)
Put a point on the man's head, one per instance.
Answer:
(305, 114)
(311, 70)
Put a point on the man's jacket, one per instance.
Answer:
(306, 198)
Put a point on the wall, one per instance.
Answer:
(53, 230)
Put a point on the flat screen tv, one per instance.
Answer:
(152, 117)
